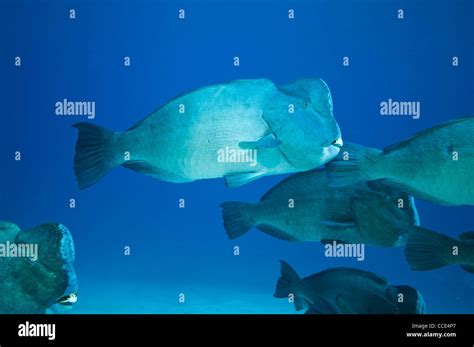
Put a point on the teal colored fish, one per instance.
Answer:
(240, 130)
(344, 290)
(427, 250)
(36, 283)
(304, 207)
(435, 165)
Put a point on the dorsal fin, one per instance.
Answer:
(318, 171)
(403, 143)
(370, 275)
(262, 82)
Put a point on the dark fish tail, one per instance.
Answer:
(96, 153)
(468, 251)
(288, 285)
(428, 250)
(237, 220)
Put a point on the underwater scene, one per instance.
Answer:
(237, 157)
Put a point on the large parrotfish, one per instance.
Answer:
(434, 165)
(36, 269)
(344, 290)
(240, 130)
(304, 207)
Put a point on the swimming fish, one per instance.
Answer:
(30, 285)
(241, 130)
(344, 290)
(434, 165)
(304, 207)
(428, 250)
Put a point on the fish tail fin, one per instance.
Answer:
(95, 154)
(469, 250)
(428, 250)
(237, 220)
(352, 164)
(288, 284)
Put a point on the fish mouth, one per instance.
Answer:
(68, 300)
(337, 142)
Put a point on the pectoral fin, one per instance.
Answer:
(344, 232)
(343, 305)
(268, 141)
(338, 225)
(413, 191)
(239, 179)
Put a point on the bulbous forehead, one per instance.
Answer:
(314, 90)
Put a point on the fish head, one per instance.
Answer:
(301, 117)
(383, 214)
(50, 278)
(407, 299)
(400, 204)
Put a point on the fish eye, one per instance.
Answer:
(305, 103)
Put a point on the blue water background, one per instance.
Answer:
(186, 251)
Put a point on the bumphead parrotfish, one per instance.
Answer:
(344, 290)
(304, 207)
(36, 269)
(435, 164)
(240, 130)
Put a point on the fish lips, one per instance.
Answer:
(338, 142)
(307, 161)
(68, 300)
(332, 150)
